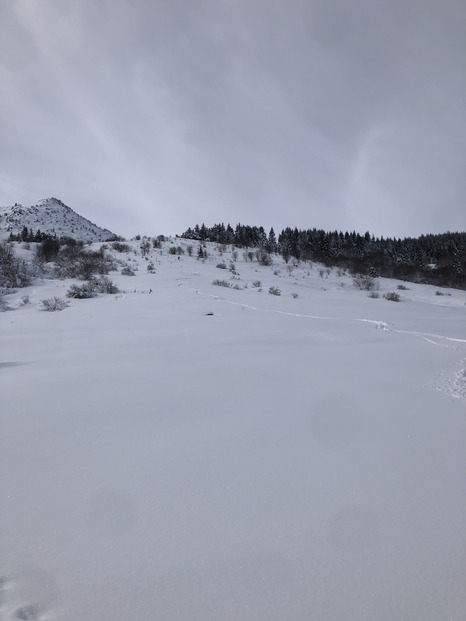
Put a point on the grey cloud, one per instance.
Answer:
(310, 113)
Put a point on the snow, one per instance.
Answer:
(281, 458)
(53, 217)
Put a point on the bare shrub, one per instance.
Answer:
(189, 250)
(364, 282)
(234, 255)
(256, 283)
(202, 252)
(82, 292)
(105, 285)
(402, 288)
(3, 303)
(263, 257)
(90, 263)
(221, 266)
(392, 296)
(91, 288)
(221, 283)
(274, 291)
(53, 304)
(145, 247)
(176, 250)
(294, 295)
(128, 271)
(373, 294)
(14, 272)
(119, 247)
(7, 253)
(48, 249)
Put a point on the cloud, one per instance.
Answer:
(153, 116)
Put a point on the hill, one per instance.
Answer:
(432, 259)
(229, 436)
(50, 217)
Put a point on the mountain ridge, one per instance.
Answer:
(50, 216)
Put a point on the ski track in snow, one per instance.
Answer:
(454, 386)
(387, 326)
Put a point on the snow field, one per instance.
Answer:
(280, 459)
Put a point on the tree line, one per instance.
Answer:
(438, 259)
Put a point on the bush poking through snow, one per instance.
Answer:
(119, 247)
(13, 271)
(221, 266)
(294, 295)
(274, 291)
(364, 282)
(127, 271)
(90, 263)
(105, 285)
(402, 288)
(373, 294)
(53, 304)
(263, 257)
(256, 283)
(392, 296)
(91, 288)
(82, 292)
(221, 283)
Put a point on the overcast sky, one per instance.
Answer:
(151, 116)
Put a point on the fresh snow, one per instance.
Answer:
(183, 451)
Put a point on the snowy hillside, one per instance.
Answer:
(224, 439)
(53, 217)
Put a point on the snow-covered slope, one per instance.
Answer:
(50, 216)
(192, 452)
